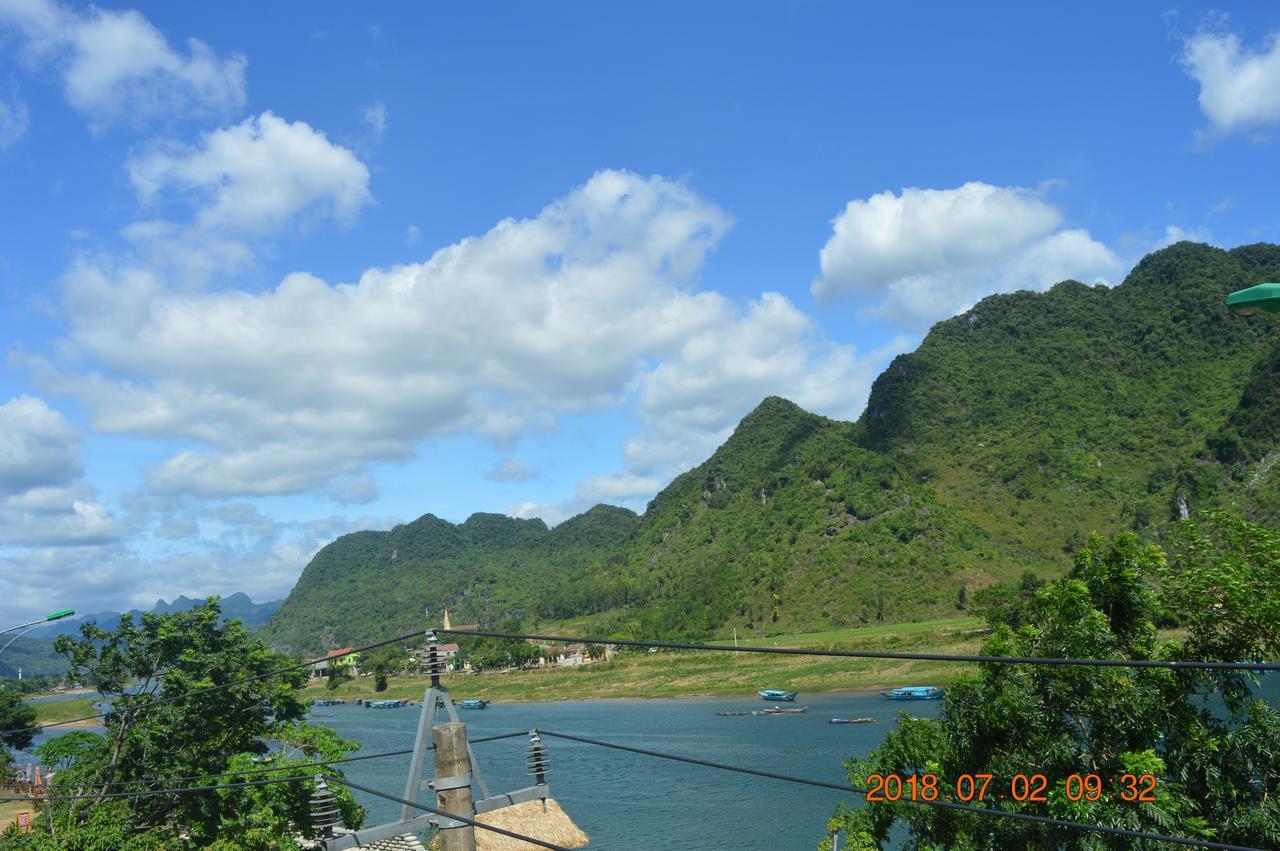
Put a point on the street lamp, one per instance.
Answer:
(1254, 299)
(27, 627)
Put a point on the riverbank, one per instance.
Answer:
(712, 674)
(61, 711)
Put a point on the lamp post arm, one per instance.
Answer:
(19, 635)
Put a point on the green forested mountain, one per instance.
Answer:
(1011, 433)
(370, 585)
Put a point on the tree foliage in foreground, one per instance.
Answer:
(147, 748)
(1213, 749)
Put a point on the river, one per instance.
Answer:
(629, 801)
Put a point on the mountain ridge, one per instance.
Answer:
(1013, 431)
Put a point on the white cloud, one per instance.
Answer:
(1239, 88)
(287, 388)
(412, 234)
(621, 488)
(42, 501)
(116, 66)
(14, 120)
(374, 117)
(353, 490)
(250, 552)
(257, 175)
(586, 306)
(1173, 233)
(511, 470)
(38, 447)
(927, 254)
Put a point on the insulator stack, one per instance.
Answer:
(436, 663)
(539, 760)
(324, 809)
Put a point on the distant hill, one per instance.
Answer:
(369, 585)
(1010, 434)
(35, 656)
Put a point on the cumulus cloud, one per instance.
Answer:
(13, 117)
(246, 551)
(589, 305)
(512, 470)
(353, 490)
(290, 387)
(42, 501)
(621, 488)
(926, 254)
(257, 175)
(116, 66)
(38, 447)
(1239, 87)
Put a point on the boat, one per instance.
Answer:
(851, 721)
(778, 694)
(385, 704)
(733, 714)
(778, 710)
(472, 704)
(914, 693)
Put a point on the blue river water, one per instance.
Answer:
(631, 801)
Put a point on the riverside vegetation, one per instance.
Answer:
(1011, 434)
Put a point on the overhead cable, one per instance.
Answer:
(942, 805)
(464, 819)
(884, 654)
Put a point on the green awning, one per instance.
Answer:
(1262, 297)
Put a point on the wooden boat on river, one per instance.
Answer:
(778, 694)
(778, 710)
(914, 693)
(851, 721)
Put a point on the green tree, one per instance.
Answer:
(1217, 768)
(17, 720)
(148, 745)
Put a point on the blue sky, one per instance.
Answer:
(272, 275)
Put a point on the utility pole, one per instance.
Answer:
(453, 783)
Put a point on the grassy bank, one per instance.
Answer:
(693, 673)
(9, 812)
(63, 710)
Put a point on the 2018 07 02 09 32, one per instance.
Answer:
(1029, 788)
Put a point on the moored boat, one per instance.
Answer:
(733, 714)
(851, 721)
(778, 694)
(472, 704)
(778, 710)
(914, 693)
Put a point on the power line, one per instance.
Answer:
(878, 654)
(303, 766)
(209, 689)
(150, 792)
(463, 819)
(943, 805)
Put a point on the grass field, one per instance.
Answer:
(63, 710)
(9, 812)
(689, 673)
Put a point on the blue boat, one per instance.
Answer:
(778, 694)
(914, 693)
(472, 704)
